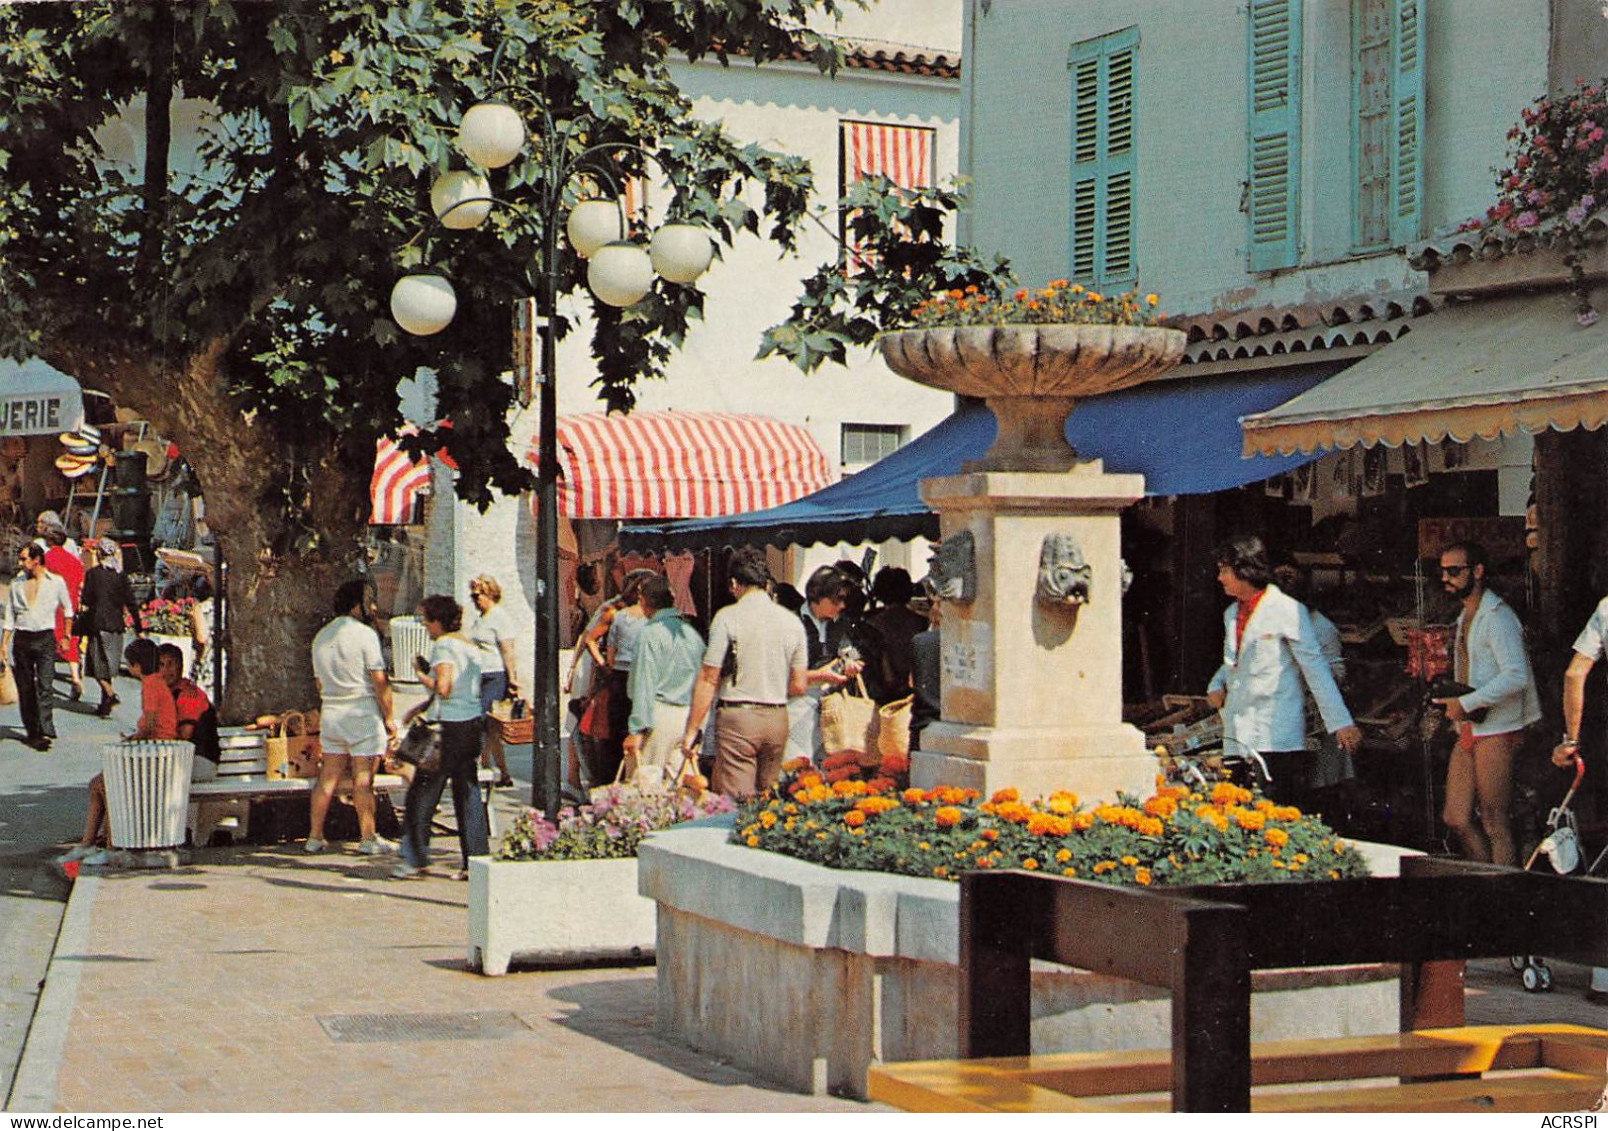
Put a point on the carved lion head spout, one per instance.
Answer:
(952, 570)
(1064, 577)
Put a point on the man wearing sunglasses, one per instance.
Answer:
(1488, 656)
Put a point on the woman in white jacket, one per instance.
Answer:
(1489, 656)
(1269, 649)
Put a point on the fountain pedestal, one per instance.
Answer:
(1032, 643)
(1032, 693)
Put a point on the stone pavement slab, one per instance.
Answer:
(201, 989)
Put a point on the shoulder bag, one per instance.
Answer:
(849, 720)
(421, 746)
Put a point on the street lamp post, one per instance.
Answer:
(620, 273)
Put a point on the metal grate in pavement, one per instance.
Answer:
(356, 1028)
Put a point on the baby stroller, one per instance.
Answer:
(1561, 847)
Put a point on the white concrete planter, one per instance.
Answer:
(809, 976)
(555, 911)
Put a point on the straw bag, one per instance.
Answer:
(292, 755)
(8, 686)
(849, 720)
(893, 728)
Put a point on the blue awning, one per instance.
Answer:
(1182, 435)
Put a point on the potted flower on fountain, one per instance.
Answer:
(168, 621)
(567, 891)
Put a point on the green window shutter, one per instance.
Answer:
(1275, 134)
(1407, 111)
(1104, 164)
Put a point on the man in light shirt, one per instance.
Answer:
(29, 639)
(356, 716)
(669, 652)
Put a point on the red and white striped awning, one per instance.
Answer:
(682, 465)
(903, 154)
(396, 483)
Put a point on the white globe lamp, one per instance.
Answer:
(593, 223)
(620, 273)
(423, 304)
(461, 199)
(491, 134)
(681, 252)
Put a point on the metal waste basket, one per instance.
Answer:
(147, 792)
(408, 639)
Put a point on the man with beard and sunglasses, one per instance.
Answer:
(1489, 657)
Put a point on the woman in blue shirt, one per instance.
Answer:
(452, 676)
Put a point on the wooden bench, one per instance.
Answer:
(1203, 942)
(243, 777)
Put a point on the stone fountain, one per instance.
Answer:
(1030, 567)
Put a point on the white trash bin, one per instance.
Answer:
(147, 792)
(408, 639)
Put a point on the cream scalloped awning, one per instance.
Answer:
(1471, 369)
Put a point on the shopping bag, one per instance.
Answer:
(595, 719)
(893, 728)
(290, 755)
(8, 687)
(849, 720)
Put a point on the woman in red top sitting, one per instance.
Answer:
(159, 719)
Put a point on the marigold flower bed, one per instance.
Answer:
(1177, 836)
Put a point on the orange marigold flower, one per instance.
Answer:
(753, 842)
(1105, 866)
(854, 818)
(989, 834)
(947, 816)
(1227, 793)
(879, 785)
(1069, 871)
(1141, 875)
(1030, 864)
(1160, 806)
(914, 796)
(1276, 837)
(972, 289)
(1048, 824)
(809, 779)
(1130, 861)
(794, 765)
(1151, 300)
(1082, 822)
(894, 764)
(1286, 813)
(1150, 826)
(1063, 856)
(875, 805)
(957, 294)
(1062, 802)
(1249, 819)
(1058, 283)
(1021, 295)
(767, 818)
(840, 775)
(1003, 795)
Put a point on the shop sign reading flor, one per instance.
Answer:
(31, 413)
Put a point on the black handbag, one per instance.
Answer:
(421, 746)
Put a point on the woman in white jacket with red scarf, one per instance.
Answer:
(1269, 650)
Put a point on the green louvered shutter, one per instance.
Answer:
(1275, 140)
(1104, 165)
(1407, 112)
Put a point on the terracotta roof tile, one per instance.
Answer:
(1272, 331)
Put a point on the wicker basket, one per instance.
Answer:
(515, 732)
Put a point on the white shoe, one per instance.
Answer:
(314, 844)
(98, 859)
(76, 852)
(376, 846)
(405, 871)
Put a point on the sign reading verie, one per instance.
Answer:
(31, 413)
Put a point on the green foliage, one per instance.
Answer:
(321, 126)
(901, 259)
(1226, 835)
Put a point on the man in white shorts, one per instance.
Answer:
(357, 724)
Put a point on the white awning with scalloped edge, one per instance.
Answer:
(1471, 369)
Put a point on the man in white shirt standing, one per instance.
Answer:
(29, 639)
(356, 716)
(1588, 649)
(1488, 655)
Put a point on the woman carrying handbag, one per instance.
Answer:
(452, 677)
